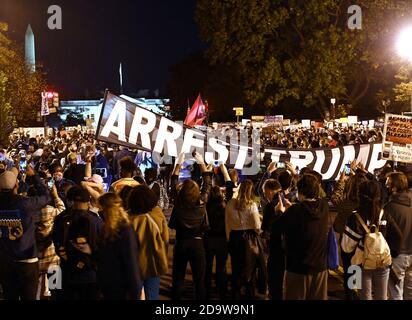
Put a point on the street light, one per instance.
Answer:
(404, 46)
(333, 101)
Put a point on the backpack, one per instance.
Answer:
(376, 252)
(78, 229)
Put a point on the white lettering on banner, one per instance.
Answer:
(320, 160)
(164, 135)
(363, 154)
(333, 165)
(307, 159)
(275, 154)
(241, 159)
(191, 141)
(143, 129)
(375, 163)
(232, 147)
(219, 148)
(118, 115)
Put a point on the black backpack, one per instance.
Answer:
(78, 228)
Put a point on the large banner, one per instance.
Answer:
(124, 123)
(397, 138)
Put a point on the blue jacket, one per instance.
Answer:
(17, 229)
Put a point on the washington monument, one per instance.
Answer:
(30, 51)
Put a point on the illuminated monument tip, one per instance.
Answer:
(30, 52)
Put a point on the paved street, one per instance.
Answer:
(335, 281)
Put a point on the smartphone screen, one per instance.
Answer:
(23, 165)
(280, 165)
(101, 172)
(347, 169)
(50, 183)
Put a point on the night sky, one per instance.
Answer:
(147, 36)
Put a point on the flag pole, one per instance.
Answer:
(121, 78)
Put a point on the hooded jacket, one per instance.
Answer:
(399, 208)
(305, 227)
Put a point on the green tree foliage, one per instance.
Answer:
(303, 49)
(6, 119)
(21, 89)
(403, 90)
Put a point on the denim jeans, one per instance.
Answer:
(402, 265)
(151, 288)
(375, 281)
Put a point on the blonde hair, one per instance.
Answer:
(114, 215)
(245, 195)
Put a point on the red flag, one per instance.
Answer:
(197, 114)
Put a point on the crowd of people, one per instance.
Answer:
(303, 138)
(80, 220)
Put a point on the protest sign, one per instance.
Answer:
(124, 123)
(397, 138)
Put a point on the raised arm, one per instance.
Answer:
(206, 178)
(228, 182)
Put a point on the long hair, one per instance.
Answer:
(216, 198)
(189, 195)
(114, 215)
(245, 195)
(141, 200)
(351, 191)
(369, 201)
